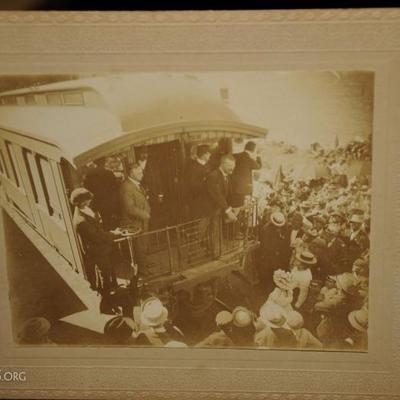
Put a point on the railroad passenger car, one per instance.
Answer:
(49, 134)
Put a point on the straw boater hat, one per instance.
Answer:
(278, 219)
(357, 218)
(359, 320)
(306, 257)
(153, 313)
(79, 195)
(241, 317)
(223, 318)
(346, 282)
(273, 315)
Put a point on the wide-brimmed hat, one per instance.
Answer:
(295, 320)
(272, 315)
(359, 320)
(278, 219)
(34, 330)
(79, 195)
(306, 257)
(357, 218)
(153, 312)
(347, 283)
(223, 318)
(242, 317)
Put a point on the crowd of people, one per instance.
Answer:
(312, 260)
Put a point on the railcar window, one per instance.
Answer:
(3, 165)
(73, 99)
(30, 99)
(49, 187)
(13, 162)
(10, 100)
(30, 167)
(54, 99)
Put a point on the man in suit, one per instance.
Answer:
(195, 183)
(219, 190)
(357, 241)
(135, 211)
(242, 179)
(104, 185)
(274, 250)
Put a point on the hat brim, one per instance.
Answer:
(163, 318)
(354, 323)
(309, 262)
(278, 224)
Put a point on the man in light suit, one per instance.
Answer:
(135, 211)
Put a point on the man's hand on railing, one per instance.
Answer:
(230, 216)
(119, 232)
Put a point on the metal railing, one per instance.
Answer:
(187, 245)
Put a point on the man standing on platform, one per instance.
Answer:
(219, 191)
(242, 178)
(135, 212)
(195, 185)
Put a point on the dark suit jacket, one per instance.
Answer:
(275, 248)
(104, 185)
(218, 189)
(196, 189)
(97, 243)
(357, 246)
(135, 208)
(242, 174)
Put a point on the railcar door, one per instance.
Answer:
(162, 178)
(51, 207)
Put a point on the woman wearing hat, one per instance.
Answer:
(282, 295)
(301, 276)
(97, 244)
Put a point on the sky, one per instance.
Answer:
(301, 107)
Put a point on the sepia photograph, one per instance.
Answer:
(198, 209)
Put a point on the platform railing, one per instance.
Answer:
(187, 245)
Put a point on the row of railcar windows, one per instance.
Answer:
(53, 98)
(40, 176)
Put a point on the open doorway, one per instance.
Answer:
(162, 180)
